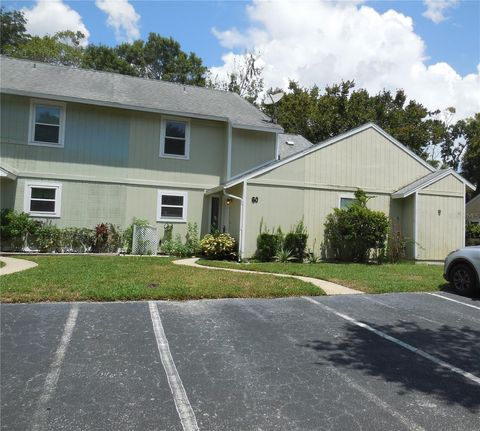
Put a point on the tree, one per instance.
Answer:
(105, 58)
(321, 115)
(471, 160)
(244, 78)
(62, 48)
(12, 30)
(162, 58)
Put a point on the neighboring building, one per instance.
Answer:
(473, 210)
(81, 147)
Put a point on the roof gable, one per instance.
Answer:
(428, 180)
(327, 143)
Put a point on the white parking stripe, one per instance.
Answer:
(419, 352)
(453, 300)
(184, 409)
(40, 416)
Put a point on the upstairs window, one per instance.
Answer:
(43, 199)
(47, 121)
(175, 138)
(171, 206)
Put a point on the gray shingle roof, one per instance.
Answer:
(420, 183)
(112, 89)
(290, 144)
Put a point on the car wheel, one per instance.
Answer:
(463, 279)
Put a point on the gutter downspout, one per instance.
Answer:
(241, 234)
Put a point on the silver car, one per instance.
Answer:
(462, 269)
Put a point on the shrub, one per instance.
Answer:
(267, 246)
(218, 246)
(108, 238)
(353, 233)
(192, 242)
(17, 229)
(49, 238)
(472, 234)
(284, 255)
(78, 240)
(396, 247)
(296, 240)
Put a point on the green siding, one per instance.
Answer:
(250, 149)
(106, 144)
(7, 193)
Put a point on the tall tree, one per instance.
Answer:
(105, 58)
(162, 58)
(319, 115)
(13, 32)
(470, 167)
(63, 48)
(244, 78)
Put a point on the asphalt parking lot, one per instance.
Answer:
(360, 362)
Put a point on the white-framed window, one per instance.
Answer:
(47, 123)
(345, 200)
(172, 206)
(43, 199)
(175, 138)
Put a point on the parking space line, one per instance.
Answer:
(453, 300)
(400, 343)
(182, 404)
(51, 380)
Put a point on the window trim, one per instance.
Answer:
(163, 130)
(161, 193)
(29, 185)
(31, 128)
(344, 196)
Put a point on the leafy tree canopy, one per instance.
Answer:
(12, 29)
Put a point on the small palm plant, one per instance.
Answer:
(284, 255)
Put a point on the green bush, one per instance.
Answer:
(352, 234)
(108, 238)
(49, 238)
(218, 246)
(296, 241)
(472, 234)
(17, 229)
(267, 246)
(176, 247)
(77, 240)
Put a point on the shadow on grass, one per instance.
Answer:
(363, 350)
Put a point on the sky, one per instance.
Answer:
(430, 48)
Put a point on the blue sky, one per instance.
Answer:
(455, 40)
(340, 40)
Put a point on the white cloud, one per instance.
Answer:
(436, 8)
(122, 17)
(323, 42)
(52, 16)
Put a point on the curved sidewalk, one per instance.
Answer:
(15, 265)
(328, 287)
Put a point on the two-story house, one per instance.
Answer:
(82, 147)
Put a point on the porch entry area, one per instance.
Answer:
(226, 212)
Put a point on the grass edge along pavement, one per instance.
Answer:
(368, 278)
(123, 278)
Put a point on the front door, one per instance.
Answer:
(215, 214)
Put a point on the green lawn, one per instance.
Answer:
(112, 278)
(402, 277)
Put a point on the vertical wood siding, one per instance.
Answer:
(250, 149)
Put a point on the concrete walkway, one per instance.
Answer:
(328, 287)
(15, 265)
